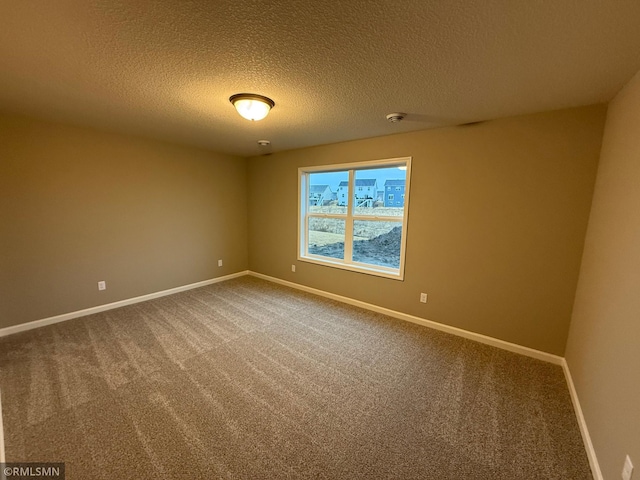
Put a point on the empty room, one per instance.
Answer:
(295, 239)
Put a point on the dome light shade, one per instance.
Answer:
(252, 106)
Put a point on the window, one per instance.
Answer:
(358, 231)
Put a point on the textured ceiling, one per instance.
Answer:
(334, 68)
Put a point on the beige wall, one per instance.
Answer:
(603, 350)
(497, 220)
(496, 223)
(78, 206)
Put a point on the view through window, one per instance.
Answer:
(353, 216)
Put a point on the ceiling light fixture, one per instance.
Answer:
(251, 106)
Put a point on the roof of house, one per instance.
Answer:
(361, 182)
(318, 188)
(394, 183)
(365, 182)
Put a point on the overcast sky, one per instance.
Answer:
(380, 174)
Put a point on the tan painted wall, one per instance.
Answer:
(497, 220)
(603, 350)
(78, 206)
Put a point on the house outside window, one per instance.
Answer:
(360, 230)
(396, 185)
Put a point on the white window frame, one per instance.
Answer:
(350, 217)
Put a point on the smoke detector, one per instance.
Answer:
(396, 117)
(264, 143)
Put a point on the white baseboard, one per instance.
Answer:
(2, 457)
(584, 431)
(512, 347)
(109, 306)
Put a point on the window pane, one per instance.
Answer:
(366, 237)
(380, 191)
(326, 237)
(328, 192)
(377, 243)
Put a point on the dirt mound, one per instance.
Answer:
(382, 250)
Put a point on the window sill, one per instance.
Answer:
(383, 272)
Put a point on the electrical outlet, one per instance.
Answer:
(102, 285)
(293, 268)
(220, 262)
(423, 297)
(627, 469)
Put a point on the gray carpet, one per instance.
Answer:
(248, 379)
